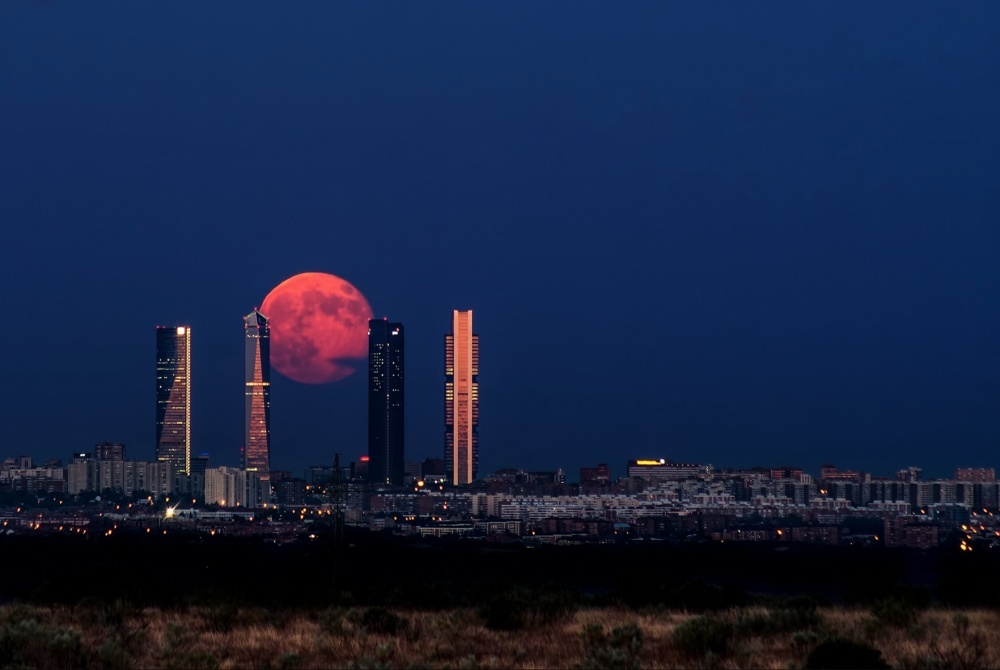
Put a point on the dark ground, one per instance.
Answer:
(374, 569)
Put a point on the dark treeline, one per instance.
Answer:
(374, 569)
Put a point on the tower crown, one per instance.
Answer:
(255, 319)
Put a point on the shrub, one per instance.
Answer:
(793, 614)
(193, 660)
(381, 660)
(289, 661)
(618, 651)
(223, 618)
(112, 655)
(331, 621)
(381, 621)
(841, 653)
(701, 635)
(503, 612)
(895, 613)
(801, 618)
(551, 604)
(966, 649)
(734, 595)
(803, 640)
(698, 596)
(179, 654)
(755, 624)
(26, 643)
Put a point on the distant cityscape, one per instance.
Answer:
(657, 499)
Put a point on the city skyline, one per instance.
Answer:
(174, 407)
(715, 232)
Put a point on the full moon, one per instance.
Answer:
(319, 324)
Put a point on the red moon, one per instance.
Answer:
(319, 323)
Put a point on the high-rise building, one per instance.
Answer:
(173, 397)
(385, 402)
(461, 400)
(257, 396)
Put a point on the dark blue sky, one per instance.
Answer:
(735, 233)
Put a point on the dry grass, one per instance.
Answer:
(121, 637)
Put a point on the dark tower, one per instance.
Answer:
(257, 397)
(385, 402)
(173, 397)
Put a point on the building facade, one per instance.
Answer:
(663, 469)
(461, 412)
(173, 397)
(231, 487)
(385, 403)
(257, 395)
(128, 477)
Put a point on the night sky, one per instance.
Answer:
(730, 233)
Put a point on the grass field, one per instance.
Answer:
(783, 636)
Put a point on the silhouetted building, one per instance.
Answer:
(829, 472)
(411, 472)
(599, 475)
(359, 470)
(109, 451)
(290, 492)
(319, 474)
(461, 414)
(975, 475)
(199, 466)
(385, 402)
(257, 395)
(173, 397)
(432, 467)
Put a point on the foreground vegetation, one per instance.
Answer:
(499, 634)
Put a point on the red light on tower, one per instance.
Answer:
(365, 459)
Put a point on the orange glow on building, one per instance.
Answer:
(173, 397)
(461, 400)
(257, 397)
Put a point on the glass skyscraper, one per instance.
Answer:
(461, 400)
(173, 397)
(257, 395)
(385, 402)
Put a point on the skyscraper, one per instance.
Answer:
(257, 396)
(173, 397)
(461, 400)
(385, 402)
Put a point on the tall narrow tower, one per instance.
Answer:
(257, 396)
(173, 397)
(385, 402)
(461, 400)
